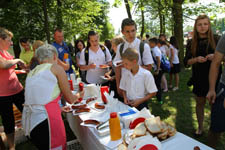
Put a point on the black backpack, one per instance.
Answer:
(141, 48)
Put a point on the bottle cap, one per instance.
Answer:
(113, 115)
(66, 55)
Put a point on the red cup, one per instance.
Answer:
(103, 90)
(71, 84)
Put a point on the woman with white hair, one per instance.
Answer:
(41, 118)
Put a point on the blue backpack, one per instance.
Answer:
(165, 64)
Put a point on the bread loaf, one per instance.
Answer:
(153, 125)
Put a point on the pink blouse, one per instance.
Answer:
(9, 83)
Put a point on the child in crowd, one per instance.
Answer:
(174, 63)
(137, 83)
(156, 54)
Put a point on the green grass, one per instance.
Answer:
(178, 110)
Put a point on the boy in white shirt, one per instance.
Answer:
(156, 54)
(137, 83)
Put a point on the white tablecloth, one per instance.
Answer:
(91, 141)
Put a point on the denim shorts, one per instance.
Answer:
(218, 111)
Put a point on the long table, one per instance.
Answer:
(91, 141)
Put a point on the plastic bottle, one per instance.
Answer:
(81, 88)
(114, 126)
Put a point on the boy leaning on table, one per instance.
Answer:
(137, 83)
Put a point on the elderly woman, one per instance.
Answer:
(41, 118)
(11, 90)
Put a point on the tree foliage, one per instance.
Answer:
(75, 17)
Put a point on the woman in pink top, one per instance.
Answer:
(11, 90)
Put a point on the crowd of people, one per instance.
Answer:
(131, 67)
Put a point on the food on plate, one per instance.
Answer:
(99, 106)
(79, 106)
(122, 147)
(91, 121)
(153, 125)
(104, 66)
(140, 130)
(134, 123)
(103, 125)
(196, 148)
(83, 110)
(90, 99)
(77, 102)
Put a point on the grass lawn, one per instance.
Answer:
(178, 110)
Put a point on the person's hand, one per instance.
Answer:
(211, 96)
(92, 66)
(21, 64)
(171, 65)
(125, 100)
(134, 103)
(156, 72)
(65, 109)
(81, 94)
(210, 57)
(201, 59)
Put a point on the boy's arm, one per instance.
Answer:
(137, 102)
(118, 77)
(125, 97)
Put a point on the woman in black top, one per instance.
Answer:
(199, 53)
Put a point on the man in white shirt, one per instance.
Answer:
(129, 29)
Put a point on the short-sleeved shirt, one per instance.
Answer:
(26, 56)
(98, 58)
(175, 51)
(147, 56)
(139, 85)
(9, 83)
(156, 53)
(62, 49)
(221, 48)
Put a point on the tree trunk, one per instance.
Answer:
(128, 9)
(178, 26)
(142, 20)
(59, 20)
(46, 21)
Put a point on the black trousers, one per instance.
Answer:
(158, 79)
(6, 110)
(39, 136)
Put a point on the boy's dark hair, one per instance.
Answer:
(153, 40)
(128, 22)
(24, 40)
(147, 36)
(161, 42)
(58, 30)
(108, 44)
(173, 41)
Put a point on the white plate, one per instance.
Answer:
(116, 62)
(104, 78)
(88, 125)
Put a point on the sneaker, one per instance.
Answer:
(165, 90)
(175, 88)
